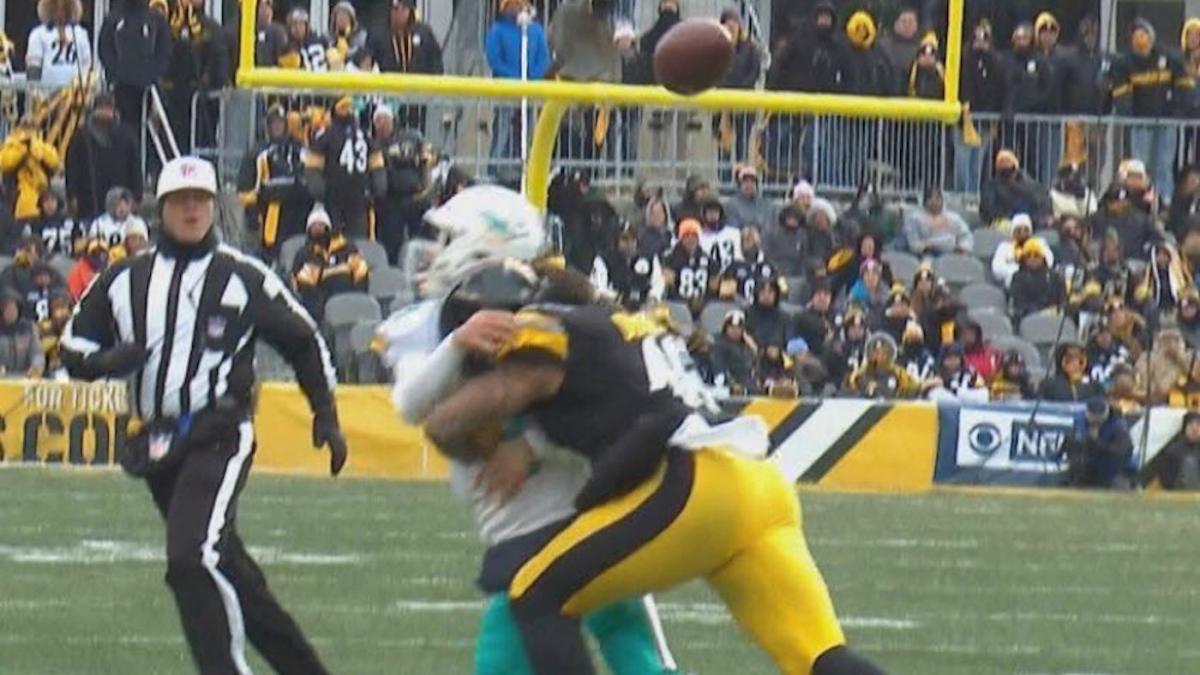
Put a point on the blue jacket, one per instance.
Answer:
(503, 48)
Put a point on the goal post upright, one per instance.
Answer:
(559, 95)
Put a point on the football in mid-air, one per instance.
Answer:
(693, 56)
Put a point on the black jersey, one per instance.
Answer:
(745, 276)
(691, 274)
(618, 367)
(59, 236)
(343, 159)
(308, 54)
(632, 279)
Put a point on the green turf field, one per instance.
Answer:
(379, 574)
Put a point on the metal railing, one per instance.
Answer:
(1098, 144)
(620, 145)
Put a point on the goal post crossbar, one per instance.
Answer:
(559, 95)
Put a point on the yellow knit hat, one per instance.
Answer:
(1044, 20)
(861, 30)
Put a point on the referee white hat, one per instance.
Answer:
(187, 173)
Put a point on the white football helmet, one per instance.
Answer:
(482, 222)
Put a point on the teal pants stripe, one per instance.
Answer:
(621, 629)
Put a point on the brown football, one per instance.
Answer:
(693, 56)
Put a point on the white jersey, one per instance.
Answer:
(63, 53)
(724, 244)
(548, 495)
(111, 230)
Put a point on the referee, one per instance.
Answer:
(181, 322)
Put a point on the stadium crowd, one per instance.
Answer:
(1066, 291)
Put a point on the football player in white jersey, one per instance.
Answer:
(515, 513)
(59, 49)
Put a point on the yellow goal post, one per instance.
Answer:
(558, 96)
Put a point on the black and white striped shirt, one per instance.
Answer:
(198, 315)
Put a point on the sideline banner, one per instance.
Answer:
(85, 424)
(844, 443)
(1004, 443)
(853, 444)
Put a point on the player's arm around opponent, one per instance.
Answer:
(629, 632)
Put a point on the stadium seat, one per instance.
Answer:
(345, 309)
(1045, 328)
(287, 253)
(987, 240)
(342, 312)
(372, 252)
(904, 266)
(389, 286)
(983, 295)
(1004, 343)
(681, 316)
(993, 324)
(714, 315)
(959, 270)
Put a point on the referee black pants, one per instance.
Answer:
(221, 593)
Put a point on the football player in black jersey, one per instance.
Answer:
(663, 505)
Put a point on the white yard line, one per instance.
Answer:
(99, 551)
(685, 612)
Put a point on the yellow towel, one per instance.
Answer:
(970, 133)
(601, 130)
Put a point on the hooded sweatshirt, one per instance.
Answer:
(787, 248)
(871, 72)
(817, 59)
(742, 210)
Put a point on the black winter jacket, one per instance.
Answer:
(135, 45)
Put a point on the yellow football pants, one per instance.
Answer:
(732, 521)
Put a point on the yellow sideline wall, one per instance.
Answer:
(841, 443)
(83, 424)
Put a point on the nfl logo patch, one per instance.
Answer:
(215, 330)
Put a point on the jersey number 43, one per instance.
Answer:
(354, 154)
